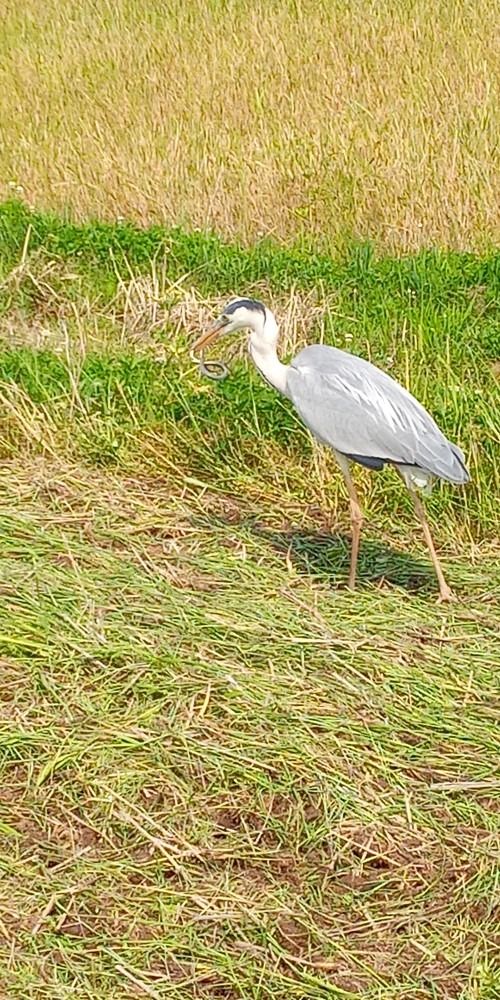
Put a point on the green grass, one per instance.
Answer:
(224, 775)
(114, 373)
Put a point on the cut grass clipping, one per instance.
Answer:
(223, 775)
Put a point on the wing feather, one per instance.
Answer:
(361, 411)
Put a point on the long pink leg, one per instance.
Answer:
(356, 518)
(446, 594)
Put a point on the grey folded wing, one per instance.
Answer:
(362, 412)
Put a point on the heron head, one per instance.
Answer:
(240, 314)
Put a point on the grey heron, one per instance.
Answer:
(354, 408)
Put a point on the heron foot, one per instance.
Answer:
(446, 596)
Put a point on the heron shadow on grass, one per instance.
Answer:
(325, 555)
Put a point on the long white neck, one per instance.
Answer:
(262, 346)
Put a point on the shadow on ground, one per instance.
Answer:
(326, 555)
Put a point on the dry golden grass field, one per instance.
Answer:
(375, 119)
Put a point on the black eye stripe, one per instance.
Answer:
(252, 304)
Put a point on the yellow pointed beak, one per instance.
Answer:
(208, 337)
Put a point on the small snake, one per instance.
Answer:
(216, 370)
